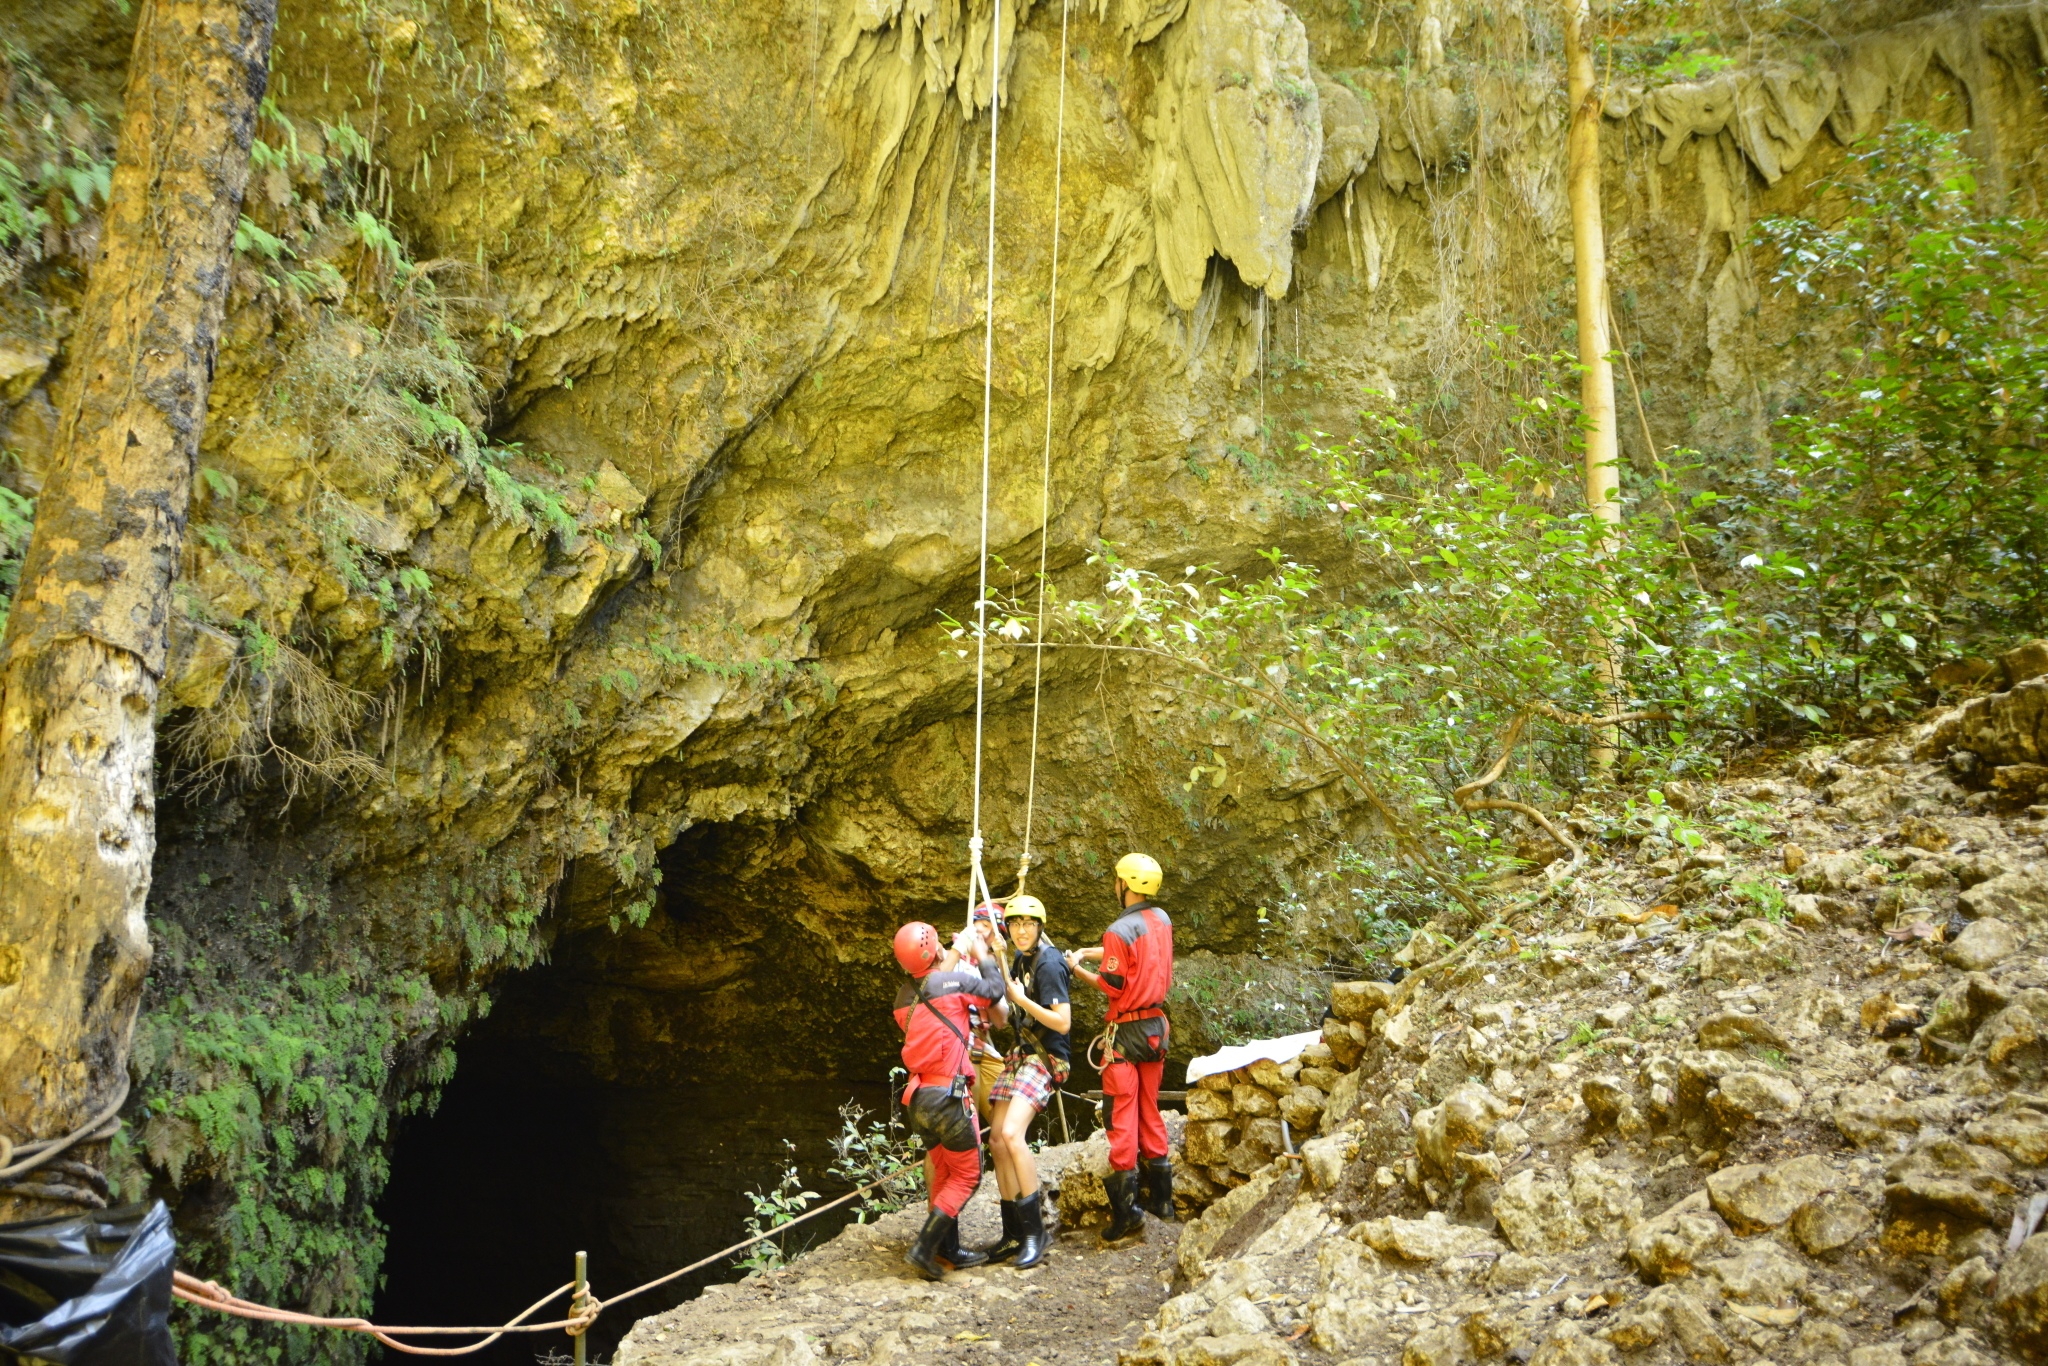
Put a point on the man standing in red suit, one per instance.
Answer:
(1136, 973)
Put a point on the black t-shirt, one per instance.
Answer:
(1044, 978)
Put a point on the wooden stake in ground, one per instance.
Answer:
(1596, 381)
(84, 651)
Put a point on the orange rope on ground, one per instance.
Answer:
(211, 1296)
(584, 1309)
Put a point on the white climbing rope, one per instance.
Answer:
(1059, 147)
(976, 881)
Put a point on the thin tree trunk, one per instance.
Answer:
(1596, 380)
(85, 644)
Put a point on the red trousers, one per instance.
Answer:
(1135, 1127)
(952, 1177)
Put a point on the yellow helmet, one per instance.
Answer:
(1140, 873)
(1029, 906)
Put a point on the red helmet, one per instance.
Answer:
(918, 948)
(992, 912)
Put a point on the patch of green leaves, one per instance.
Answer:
(17, 526)
(1905, 517)
(773, 1209)
(1767, 897)
(866, 1150)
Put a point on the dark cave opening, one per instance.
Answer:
(493, 1194)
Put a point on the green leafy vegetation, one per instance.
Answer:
(866, 1150)
(1473, 602)
(17, 525)
(1230, 1001)
(1901, 520)
(773, 1209)
(56, 168)
(1905, 518)
(1768, 899)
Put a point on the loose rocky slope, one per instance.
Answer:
(1778, 1096)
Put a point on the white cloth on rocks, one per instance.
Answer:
(1245, 1054)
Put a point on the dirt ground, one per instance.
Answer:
(855, 1298)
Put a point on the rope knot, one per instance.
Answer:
(583, 1311)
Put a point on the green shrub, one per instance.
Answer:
(1905, 517)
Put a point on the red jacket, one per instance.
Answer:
(933, 1052)
(1137, 963)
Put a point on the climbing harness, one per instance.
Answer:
(1119, 1042)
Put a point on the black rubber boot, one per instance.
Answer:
(1157, 1198)
(1013, 1236)
(924, 1253)
(956, 1256)
(1031, 1218)
(1124, 1217)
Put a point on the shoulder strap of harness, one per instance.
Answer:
(940, 1016)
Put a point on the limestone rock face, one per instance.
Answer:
(1752, 949)
(1830, 1222)
(1239, 136)
(2018, 898)
(1763, 1273)
(1351, 134)
(1425, 1240)
(2008, 727)
(2019, 1130)
(1750, 1097)
(1466, 1119)
(1940, 1191)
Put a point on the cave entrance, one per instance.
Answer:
(492, 1195)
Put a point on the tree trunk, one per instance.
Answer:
(85, 644)
(1596, 372)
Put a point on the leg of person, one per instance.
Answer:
(1034, 1089)
(1120, 1089)
(987, 1069)
(960, 1174)
(1019, 1089)
(999, 1147)
(1006, 1176)
(955, 1175)
(924, 1253)
(1156, 1169)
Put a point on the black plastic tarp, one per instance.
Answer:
(89, 1289)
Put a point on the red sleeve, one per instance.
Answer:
(1116, 961)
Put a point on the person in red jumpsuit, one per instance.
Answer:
(1136, 973)
(933, 1011)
